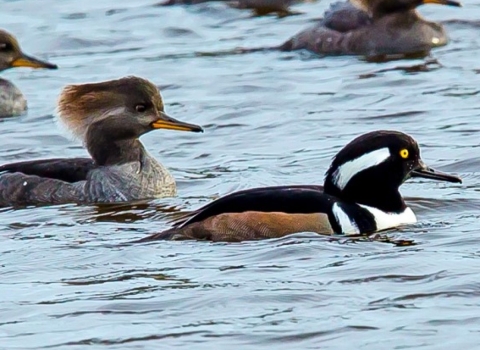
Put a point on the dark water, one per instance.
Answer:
(270, 118)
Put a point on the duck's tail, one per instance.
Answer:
(194, 231)
(241, 51)
(167, 235)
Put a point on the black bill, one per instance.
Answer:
(429, 173)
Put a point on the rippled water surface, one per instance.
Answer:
(270, 118)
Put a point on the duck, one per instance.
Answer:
(360, 196)
(260, 7)
(372, 28)
(109, 117)
(12, 101)
(265, 7)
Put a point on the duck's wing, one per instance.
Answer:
(344, 17)
(330, 36)
(18, 189)
(257, 213)
(64, 169)
(286, 199)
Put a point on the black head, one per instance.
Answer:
(12, 56)
(372, 167)
(125, 108)
(383, 7)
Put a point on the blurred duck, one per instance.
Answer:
(360, 196)
(260, 7)
(108, 117)
(12, 101)
(372, 28)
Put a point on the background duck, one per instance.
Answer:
(260, 7)
(108, 117)
(360, 196)
(372, 27)
(12, 101)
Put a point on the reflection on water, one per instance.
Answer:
(71, 280)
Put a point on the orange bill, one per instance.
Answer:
(443, 2)
(166, 122)
(31, 62)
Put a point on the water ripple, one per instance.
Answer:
(72, 280)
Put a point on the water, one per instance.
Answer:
(270, 118)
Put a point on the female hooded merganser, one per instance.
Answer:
(109, 117)
(12, 101)
(360, 196)
(372, 28)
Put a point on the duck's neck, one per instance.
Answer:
(406, 14)
(108, 150)
(384, 198)
(390, 201)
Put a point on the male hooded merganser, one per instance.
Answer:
(12, 101)
(360, 196)
(108, 117)
(372, 28)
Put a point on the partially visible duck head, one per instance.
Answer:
(378, 8)
(119, 109)
(11, 55)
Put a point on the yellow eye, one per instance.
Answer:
(404, 153)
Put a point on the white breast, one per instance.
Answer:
(385, 220)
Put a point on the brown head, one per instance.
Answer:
(377, 8)
(119, 109)
(12, 56)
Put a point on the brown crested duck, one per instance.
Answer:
(109, 117)
(12, 101)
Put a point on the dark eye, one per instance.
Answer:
(140, 108)
(4, 46)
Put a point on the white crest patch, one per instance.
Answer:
(78, 129)
(348, 226)
(386, 220)
(346, 171)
